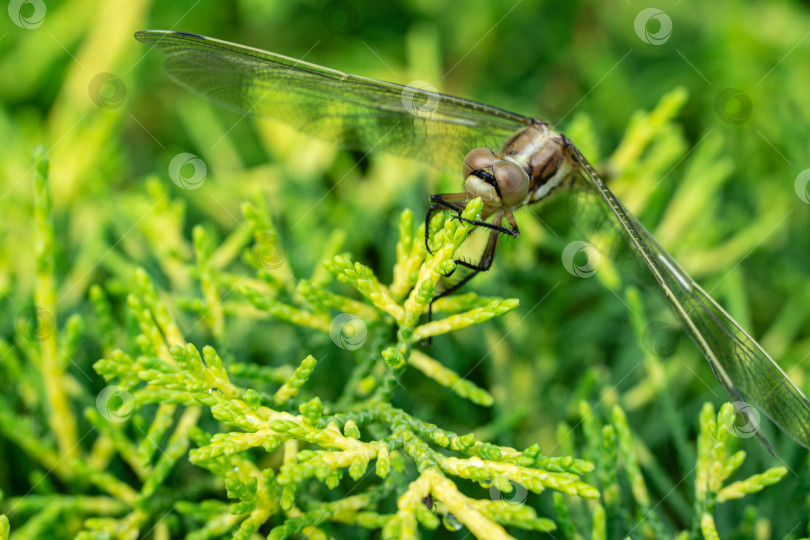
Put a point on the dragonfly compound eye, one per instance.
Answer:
(477, 159)
(513, 182)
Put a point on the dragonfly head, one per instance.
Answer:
(499, 182)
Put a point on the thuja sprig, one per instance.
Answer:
(415, 438)
(269, 410)
(60, 418)
(716, 462)
(401, 304)
(480, 517)
(617, 452)
(632, 469)
(336, 448)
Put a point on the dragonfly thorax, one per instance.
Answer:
(545, 156)
(533, 162)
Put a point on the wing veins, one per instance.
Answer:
(709, 324)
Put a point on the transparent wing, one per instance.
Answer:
(357, 112)
(738, 362)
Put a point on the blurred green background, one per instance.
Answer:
(720, 192)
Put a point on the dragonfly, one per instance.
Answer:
(507, 159)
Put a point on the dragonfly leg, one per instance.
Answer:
(510, 217)
(444, 201)
(503, 230)
(496, 228)
(483, 265)
(450, 290)
(495, 225)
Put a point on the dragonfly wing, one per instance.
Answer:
(358, 112)
(738, 362)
